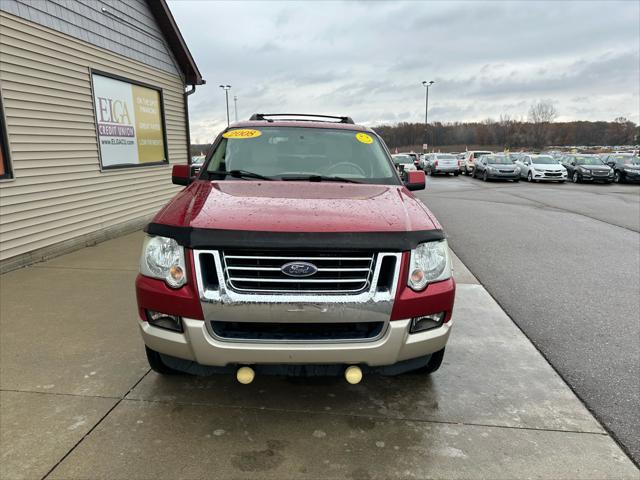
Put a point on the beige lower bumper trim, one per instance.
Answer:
(198, 345)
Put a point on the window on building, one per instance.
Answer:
(5, 166)
(129, 121)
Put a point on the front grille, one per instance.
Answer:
(599, 173)
(506, 171)
(297, 331)
(261, 272)
(553, 174)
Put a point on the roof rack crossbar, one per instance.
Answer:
(263, 116)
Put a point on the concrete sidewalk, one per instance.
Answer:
(78, 401)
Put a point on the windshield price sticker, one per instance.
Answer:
(364, 138)
(242, 133)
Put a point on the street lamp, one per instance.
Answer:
(226, 89)
(235, 104)
(426, 109)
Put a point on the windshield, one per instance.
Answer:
(291, 152)
(626, 159)
(543, 160)
(588, 161)
(499, 160)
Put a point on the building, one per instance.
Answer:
(93, 112)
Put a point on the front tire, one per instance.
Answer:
(576, 177)
(529, 177)
(156, 363)
(485, 177)
(617, 177)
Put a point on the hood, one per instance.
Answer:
(277, 206)
(502, 166)
(548, 166)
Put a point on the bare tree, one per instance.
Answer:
(541, 114)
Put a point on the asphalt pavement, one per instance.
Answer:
(563, 260)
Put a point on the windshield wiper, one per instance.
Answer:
(240, 174)
(319, 178)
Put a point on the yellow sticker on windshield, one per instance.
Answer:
(242, 133)
(364, 138)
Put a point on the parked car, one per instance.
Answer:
(538, 168)
(298, 249)
(415, 157)
(196, 164)
(496, 167)
(441, 163)
(403, 161)
(587, 168)
(470, 158)
(626, 167)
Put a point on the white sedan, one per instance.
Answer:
(536, 168)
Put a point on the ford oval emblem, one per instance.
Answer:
(299, 269)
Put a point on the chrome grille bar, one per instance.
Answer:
(262, 273)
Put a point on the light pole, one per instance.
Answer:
(235, 105)
(226, 89)
(426, 109)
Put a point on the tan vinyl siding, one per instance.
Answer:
(59, 192)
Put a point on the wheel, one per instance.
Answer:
(157, 365)
(434, 363)
(455, 174)
(529, 177)
(617, 177)
(576, 177)
(485, 177)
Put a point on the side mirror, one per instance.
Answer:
(415, 180)
(181, 174)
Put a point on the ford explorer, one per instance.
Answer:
(297, 250)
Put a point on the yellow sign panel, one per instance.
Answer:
(364, 138)
(242, 133)
(146, 104)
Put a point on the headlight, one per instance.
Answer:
(163, 258)
(429, 263)
(517, 170)
(630, 170)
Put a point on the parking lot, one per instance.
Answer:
(563, 261)
(78, 399)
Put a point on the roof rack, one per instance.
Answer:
(264, 116)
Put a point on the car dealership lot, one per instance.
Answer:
(563, 261)
(78, 400)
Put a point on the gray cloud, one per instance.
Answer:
(367, 59)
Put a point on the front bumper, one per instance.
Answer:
(545, 177)
(503, 176)
(197, 344)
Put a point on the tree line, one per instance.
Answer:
(538, 130)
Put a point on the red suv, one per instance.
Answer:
(297, 250)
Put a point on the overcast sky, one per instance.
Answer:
(368, 59)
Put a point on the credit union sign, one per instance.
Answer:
(129, 122)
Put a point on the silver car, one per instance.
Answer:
(441, 163)
(537, 168)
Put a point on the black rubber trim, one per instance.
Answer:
(214, 238)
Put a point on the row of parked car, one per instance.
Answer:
(558, 167)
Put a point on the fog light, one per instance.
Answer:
(164, 320)
(426, 322)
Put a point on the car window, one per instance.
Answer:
(588, 160)
(289, 151)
